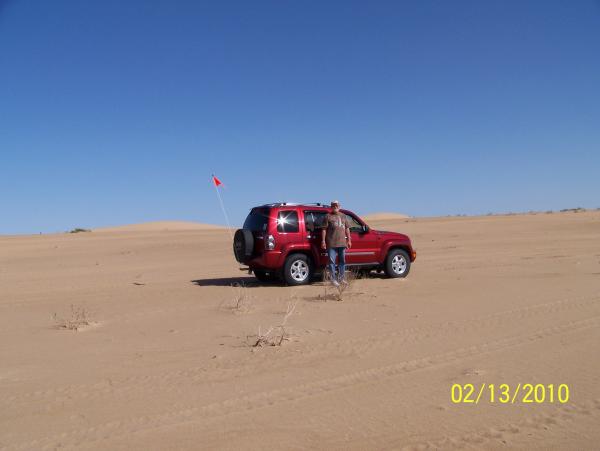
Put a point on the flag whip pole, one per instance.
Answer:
(222, 207)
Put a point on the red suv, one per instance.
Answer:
(284, 240)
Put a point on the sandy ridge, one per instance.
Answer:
(385, 216)
(158, 226)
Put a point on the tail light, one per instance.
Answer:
(270, 242)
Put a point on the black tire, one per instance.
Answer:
(397, 263)
(243, 245)
(297, 270)
(265, 276)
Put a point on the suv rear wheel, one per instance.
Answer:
(397, 263)
(297, 269)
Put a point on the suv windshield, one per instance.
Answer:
(257, 220)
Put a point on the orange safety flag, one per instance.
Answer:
(216, 181)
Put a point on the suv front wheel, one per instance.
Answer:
(397, 263)
(297, 270)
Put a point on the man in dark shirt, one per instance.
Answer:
(335, 237)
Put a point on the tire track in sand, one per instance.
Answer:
(484, 437)
(272, 398)
(499, 435)
(360, 346)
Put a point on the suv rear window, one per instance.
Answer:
(287, 221)
(257, 220)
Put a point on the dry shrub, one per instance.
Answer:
(573, 210)
(275, 335)
(337, 293)
(240, 301)
(78, 320)
(79, 230)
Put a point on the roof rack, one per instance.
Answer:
(284, 204)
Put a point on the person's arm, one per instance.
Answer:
(348, 236)
(324, 232)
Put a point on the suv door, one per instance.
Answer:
(257, 222)
(365, 246)
(287, 228)
(313, 222)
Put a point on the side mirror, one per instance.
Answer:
(365, 228)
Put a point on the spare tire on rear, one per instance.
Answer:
(243, 245)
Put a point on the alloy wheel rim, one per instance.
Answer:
(299, 270)
(399, 264)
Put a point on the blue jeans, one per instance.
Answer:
(334, 252)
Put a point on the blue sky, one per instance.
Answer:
(118, 112)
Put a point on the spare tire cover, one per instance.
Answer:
(243, 245)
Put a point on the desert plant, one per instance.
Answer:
(78, 230)
(240, 301)
(329, 290)
(79, 319)
(336, 292)
(346, 287)
(274, 335)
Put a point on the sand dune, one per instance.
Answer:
(165, 361)
(158, 226)
(384, 216)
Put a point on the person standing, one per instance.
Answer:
(335, 237)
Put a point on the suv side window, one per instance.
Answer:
(355, 226)
(313, 220)
(287, 221)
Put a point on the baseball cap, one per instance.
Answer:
(335, 202)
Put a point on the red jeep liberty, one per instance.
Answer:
(283, 240)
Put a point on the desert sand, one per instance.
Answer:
(166, 363)
(384, 216)
(156, 226)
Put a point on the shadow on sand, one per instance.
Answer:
(253, 282)
(249, 282)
